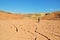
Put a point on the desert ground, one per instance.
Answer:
(28, 29)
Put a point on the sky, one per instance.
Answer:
(30, 6)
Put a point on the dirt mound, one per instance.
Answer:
(47, 16)
(52, 16)
(8, 15)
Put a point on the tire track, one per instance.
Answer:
(42, 35)
(16, 29)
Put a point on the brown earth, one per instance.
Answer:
(47, 16)
(52, 16)
(28, 29)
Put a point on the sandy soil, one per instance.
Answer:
(29, 30)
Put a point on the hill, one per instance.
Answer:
(52, 16)
(45, 16)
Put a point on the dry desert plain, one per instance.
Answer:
(29, 29)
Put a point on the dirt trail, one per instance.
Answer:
(29, 30)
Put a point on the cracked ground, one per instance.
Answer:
(29, 30)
